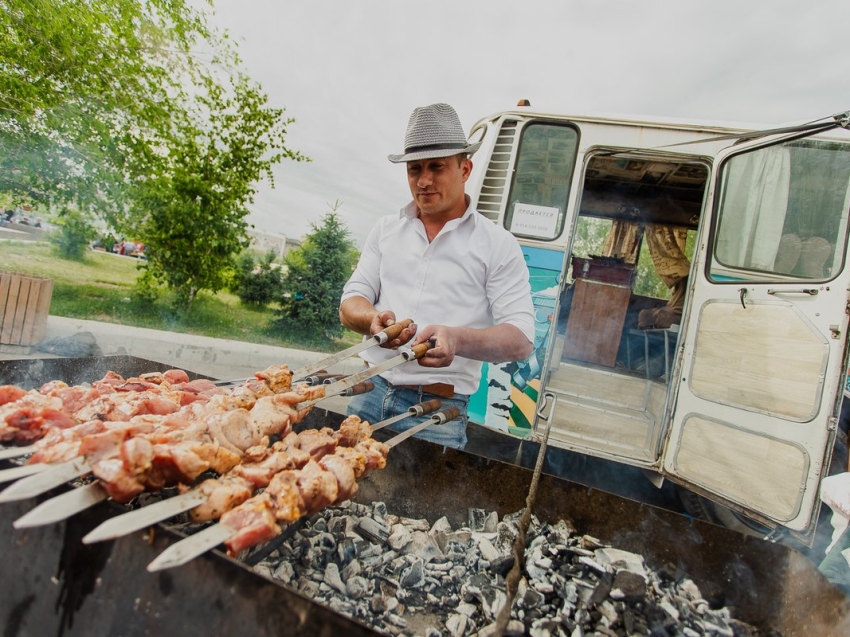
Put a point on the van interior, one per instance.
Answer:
(620, 310)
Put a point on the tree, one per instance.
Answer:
(106, 105)
(191, 213)
(83, 88)
(257, 282)
(316, 274)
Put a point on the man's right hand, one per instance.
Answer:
(384, 319)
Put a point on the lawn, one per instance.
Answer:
(100, 288)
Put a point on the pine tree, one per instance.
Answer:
(315, 276)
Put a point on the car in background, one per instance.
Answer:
(130, 249)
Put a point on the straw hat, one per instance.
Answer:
(434, 131)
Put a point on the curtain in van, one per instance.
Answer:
(753, 210)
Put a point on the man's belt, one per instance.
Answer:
(443, 390)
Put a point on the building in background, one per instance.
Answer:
(280, 244)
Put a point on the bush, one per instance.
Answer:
(257, 283)
(74, 234)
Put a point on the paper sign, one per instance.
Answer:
(535, 221)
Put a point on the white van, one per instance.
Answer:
(691, 289)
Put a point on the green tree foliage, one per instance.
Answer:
(107, 105)
(191, 214)
(83, 85)
(315, 276)
(73, 235)
(257, 282)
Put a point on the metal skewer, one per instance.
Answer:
(41, 478)
(380, 338)
(7, 475)
(16, 452)
(341, 387)
(144, 517)
(55, 509)
(191, 547)
(48, 479)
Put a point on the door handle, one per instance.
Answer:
(809, 291)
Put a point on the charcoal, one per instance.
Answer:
(423, 545)
(352, 569)
(488, 551)
(374, 530)
(456, 624)
(414, 575)
(600, 593)
(382, 569)
(356, 587)
(502, 565)
(620, 560)
(379, 511)
(441, 526)
(395, 620)
(400, 537)
(477, 517)
(513, 629)
(285, 572)
(629, 587)
(377, 604)
(415, 525)
(332, 578)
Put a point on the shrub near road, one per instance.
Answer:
(100, 288)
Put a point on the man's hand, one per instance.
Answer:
(445, 345)
(358, 314)
(383, 320)
(495, 344)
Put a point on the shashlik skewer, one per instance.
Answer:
(8, 475)
(284, 500)
(380, 338)
(54, 437)
(414, 353)
(54, 407)
(147, 516)
(259, 464)
(56, 509)
(211, 437)
(353, 383)
(273, 380)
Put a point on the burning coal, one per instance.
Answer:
(407, 577)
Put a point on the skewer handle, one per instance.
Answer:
(392, 331)
(442, 417)
(316, 379)
(359, 388)
(418, 351)
(425, 408)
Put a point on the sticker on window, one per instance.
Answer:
(535, 221)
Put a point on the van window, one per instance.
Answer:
(783, 213)
(541, 181)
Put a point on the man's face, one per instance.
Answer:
(437, 185)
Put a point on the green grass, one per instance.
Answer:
(100, 288)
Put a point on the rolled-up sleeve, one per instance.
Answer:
(365, 281)
(509, 290)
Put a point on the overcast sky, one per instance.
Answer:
(350, 73)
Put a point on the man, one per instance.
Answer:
(455, 273)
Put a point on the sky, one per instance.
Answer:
(350, 73)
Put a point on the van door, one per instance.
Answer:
(763, 344)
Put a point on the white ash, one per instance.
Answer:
(386, 571)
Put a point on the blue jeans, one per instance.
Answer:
(386, 401)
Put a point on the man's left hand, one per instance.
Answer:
(444, 348)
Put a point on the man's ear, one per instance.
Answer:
(466, 169)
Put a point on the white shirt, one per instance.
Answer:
(472, 274)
